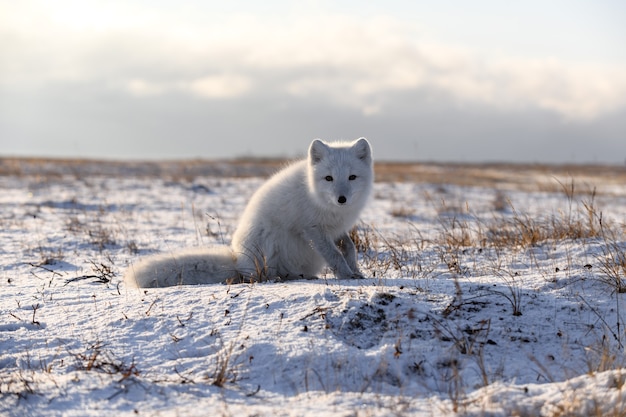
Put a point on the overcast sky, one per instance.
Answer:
(470, 81)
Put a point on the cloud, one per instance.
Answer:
(142, 88)
(355, 63)
(221, 86)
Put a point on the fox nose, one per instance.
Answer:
(341, 199)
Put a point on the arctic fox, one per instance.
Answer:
(295, 223)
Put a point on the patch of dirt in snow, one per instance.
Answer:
(361, 324)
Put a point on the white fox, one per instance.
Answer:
(294, 224)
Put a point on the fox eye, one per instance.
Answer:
(328, 178)
(352, 177)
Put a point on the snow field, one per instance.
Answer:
(481, 301)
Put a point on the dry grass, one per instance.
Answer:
(528, 177)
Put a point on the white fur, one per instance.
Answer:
(294, 224)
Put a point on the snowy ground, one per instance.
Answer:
(483, 300)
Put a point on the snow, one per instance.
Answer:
(468, 311)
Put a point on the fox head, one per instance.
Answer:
(340, 174)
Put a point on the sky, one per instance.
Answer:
(447, 81)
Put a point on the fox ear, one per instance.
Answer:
(362, 150)
(317, 151)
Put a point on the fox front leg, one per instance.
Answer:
(347, 248)
(331, 253)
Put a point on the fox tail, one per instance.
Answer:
(191, 266)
